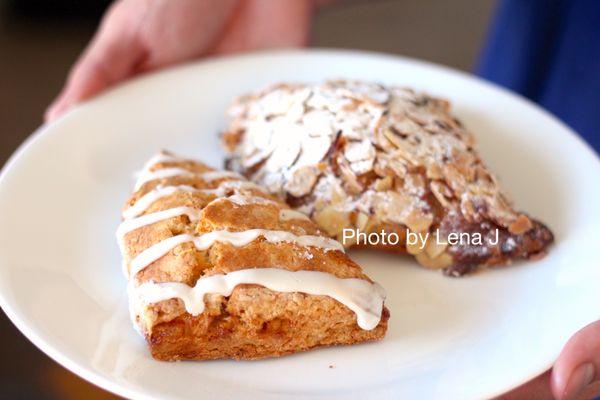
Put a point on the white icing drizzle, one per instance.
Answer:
(162, 191)
(364, 298)
(287, 214)
(236, 186)
(242, 200)
(147, 175)
(237, 239)
(193, 214)
(159, 192)
(162, 157)
(214, 175)
(132, 224)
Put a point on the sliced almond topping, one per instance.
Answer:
(359, 151)
(286, 151)
(392, 137)
(417, 220)
(444, 260)
(331, 220)
(384, 184)
(405, 152)
(360, 155)
(361, 220)
(441, 193)
(319, 123)
(338, 195)
(434, 171)
(435, 247)
(454, 179)
(520, 225)
(313, 151)
(392, 147)
(415, 184)
(414, 248)
(353, 186)
(302, 181)
(277, 102)
(386, 165)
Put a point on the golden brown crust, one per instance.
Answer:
(254, 322)
(360, 155)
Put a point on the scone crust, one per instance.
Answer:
(254, 322)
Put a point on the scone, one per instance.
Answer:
(217, 268)
(363, 158)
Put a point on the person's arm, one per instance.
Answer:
(137, 36)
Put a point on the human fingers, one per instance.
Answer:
(111, 56)
(179, 30)
(578, 364)
(259, 24)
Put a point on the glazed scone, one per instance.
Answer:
(217, 268)
(368, 158)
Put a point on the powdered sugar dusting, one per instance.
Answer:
(351, 146)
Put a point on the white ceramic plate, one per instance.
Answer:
(475, 337)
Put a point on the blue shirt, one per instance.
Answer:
(549, 51)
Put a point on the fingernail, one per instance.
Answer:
(579, 380)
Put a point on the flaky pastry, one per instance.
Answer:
(370, 158)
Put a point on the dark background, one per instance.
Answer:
(40, 39)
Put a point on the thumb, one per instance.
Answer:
(112, 56)
(578, 364)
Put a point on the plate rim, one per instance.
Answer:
(110, 385)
